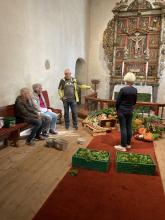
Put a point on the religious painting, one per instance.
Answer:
(153, 53)
(121, 25)
(120, 40)
(144, 23)
(118, 69)
(152, 69)
(154, 40)
(137, 68)
(155, 23)
(119, 54)
(132, 24)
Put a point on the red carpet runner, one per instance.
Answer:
(107, 196)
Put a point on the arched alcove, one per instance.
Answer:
(81, 75)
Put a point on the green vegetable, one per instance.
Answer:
(88, 154)
(134, 158)
(73, 172)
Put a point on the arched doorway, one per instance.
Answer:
(81, 76)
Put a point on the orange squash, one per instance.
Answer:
(142, 130)
(138, 122)
(148, 136)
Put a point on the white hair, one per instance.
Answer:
(36, 86)
(130, 77)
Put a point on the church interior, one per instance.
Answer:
(98, 42)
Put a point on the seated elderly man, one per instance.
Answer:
(41, 107)
(26, 113)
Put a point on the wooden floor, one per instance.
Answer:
(29, 174)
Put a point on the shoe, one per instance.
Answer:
(39, 138)
(30, 143)
(128, 146)
(120, 148)
(76, 127)
(67, 128)
(53, 132)
(45, 135)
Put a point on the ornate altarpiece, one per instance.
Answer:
(134, 40)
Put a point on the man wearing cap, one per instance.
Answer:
(125, 103)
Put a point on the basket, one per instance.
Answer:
(9, 122)
(127, 165)
(59, 144)
(92, 164)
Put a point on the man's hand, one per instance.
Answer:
(38, 115)
(63, 98)
(91, 90)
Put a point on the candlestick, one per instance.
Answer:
(146, 70)
(122, 70)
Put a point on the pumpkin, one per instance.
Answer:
(148, 136)
(142, 130)
(138, 121)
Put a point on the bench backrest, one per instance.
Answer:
(8, 110)
(45, 94)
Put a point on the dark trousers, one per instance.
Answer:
(73, 107)
(36, 130)
(125, 121)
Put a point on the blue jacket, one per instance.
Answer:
(126, 99)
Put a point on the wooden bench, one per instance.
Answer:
(10, 134)
(13, 134)
(57, 111)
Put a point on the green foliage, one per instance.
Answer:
(134, 158)
(106, 111)
(88, 154)
(154, 124)
(73, 172)
(109, 111)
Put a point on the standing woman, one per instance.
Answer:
(125, 103)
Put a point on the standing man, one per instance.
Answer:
(125, 103)
(68, 92)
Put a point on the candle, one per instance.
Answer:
(126, 40)
(122, 71)
(147, 40)
(146, 69)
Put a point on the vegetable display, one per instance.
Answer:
(94, 155)
(147, 128)
(135, 163)
(135, 158)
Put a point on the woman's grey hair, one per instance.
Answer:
(36, 86)
(130, 77)
(24, 91)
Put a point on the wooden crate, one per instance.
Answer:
(92, 164)
(96, 131)
(111, 121)
(126, 166)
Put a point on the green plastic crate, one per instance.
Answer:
(92, 164)
(123, 164)
(9, 122)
